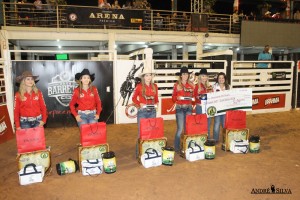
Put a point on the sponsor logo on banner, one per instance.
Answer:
(6, 132)
(268, 101)
(131, 111)
(3, 126)
(62, 87)
(168, 107)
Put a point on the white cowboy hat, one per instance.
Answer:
(146, 70)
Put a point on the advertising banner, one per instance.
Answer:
(199, 22)
(268, 101)
(57, 82)
(127, 79)
(98, 16)
(6, 132)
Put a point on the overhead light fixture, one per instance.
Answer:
(57, 40)
(59, 47)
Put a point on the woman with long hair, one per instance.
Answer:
(220, 85)
(145, 93)
(182, 96)
(30, 109)
(87, 99)
(145, 97)
(202, 88)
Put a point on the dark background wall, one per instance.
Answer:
(275, 34)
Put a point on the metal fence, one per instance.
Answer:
(26, 15)
(271, 86)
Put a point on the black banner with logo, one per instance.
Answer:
(199, 22)
(97, 16)
(57, 82)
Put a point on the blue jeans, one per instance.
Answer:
(87, 118)
(181, 112)
(219, 120)
(199, 111)
(143, 113)
(27, 123)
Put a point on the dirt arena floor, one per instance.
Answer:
(228, 176)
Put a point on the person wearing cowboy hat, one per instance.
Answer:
(30, 109)
(202, 87)
(87, 99)
(145, 96)
(182, 96)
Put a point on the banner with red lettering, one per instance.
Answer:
(6, 132)
(268, 101)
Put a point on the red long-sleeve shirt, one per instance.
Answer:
(138, 97)
(87, 100)
(32, 105)
(197, 92)
(182, 93)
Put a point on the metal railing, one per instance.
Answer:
(26, 15)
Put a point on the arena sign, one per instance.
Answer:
(97, 16)
(56, 81)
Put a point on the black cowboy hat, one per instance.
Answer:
(84, 72)
(183, 70)
(24, 75)
(202, 72)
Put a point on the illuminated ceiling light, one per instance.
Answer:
(59, 47)
(57, 40)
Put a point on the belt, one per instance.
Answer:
(183, 105)
(31, 119)
(86, 111)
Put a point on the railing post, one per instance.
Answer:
(4, 14)
(57, 17)
(230, 25)
(151, 19)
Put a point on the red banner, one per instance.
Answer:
(268, 101)
(6, 132)
(167, 107)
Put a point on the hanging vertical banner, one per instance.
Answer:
(57, 82)
(6, 132)
(199, 22)
(127, 79)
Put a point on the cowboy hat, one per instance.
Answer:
(183, 70)
(24, 75)
(202, 72)
(84, 72)
(146, 70)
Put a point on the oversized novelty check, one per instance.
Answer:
(218, 103)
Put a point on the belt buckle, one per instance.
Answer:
(31, 119)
